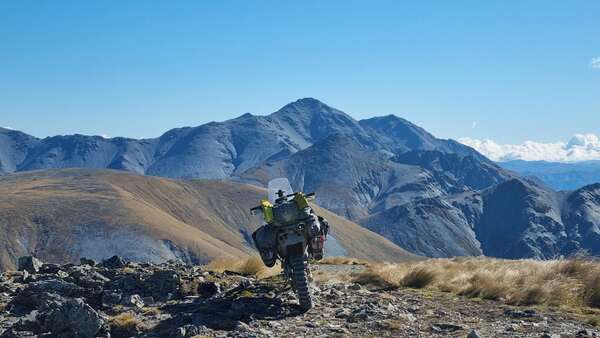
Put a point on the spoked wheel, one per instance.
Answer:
(300, 281)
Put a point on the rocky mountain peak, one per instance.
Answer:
(306, 104)
(516, 187)
(401, 133)
(592, 188)
(310, 108)
(587, 194)
(390, 120)
(309, 120)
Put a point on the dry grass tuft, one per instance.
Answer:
(396, 275)
(340, 260)
(125, 323)
(418, 278)
(189, 287)
(483, 285)
(568, 282)
(593, 320)
(571, 267)
(532, 295)
(252, 265)
(592, 291)
(374, 279)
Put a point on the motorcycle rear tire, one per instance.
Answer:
(300, 281)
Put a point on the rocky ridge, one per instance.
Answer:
(123, 299)
(514, 219)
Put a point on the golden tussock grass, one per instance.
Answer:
(252, 265)
(125, 321)
(571, 283)
(340, 260)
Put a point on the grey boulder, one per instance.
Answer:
(29, 264)
(72, 318)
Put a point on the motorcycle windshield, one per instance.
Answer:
(277, 184)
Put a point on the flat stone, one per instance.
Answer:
(473, 334)
(133, 301)
(445, 327)
(520, 314)
(354, 287)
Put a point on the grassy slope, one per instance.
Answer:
(45, 212)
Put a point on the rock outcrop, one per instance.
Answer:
(177, 300)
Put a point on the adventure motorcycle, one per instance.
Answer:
(293, 234)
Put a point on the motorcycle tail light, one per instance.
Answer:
(318, 242)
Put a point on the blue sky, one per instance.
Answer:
(505, 70)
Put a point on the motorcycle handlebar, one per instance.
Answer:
(309, 195)
(312, 194)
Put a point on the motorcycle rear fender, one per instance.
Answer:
(291, 240)
(295, 249)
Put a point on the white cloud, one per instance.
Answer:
(104, 136)
(595, 63)
(474, 124)
(581, 147)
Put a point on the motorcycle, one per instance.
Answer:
(293, 234)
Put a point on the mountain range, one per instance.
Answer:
(218, 149)
(558, 175)
(432, 197)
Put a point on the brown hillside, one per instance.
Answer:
(60, 215)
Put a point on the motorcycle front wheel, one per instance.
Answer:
(300, 281)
